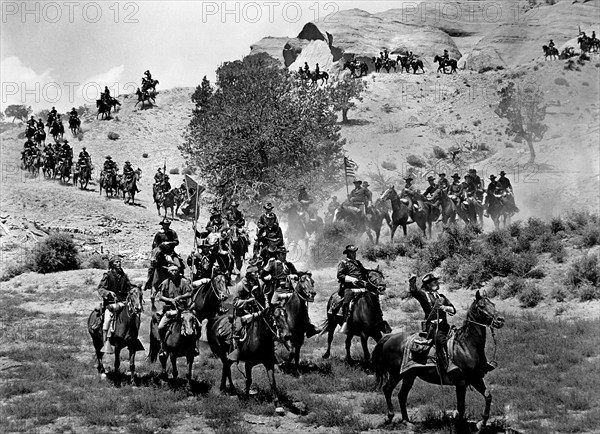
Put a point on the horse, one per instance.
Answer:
(364, 320)
(389, 64)
(165, 199)
(113, 103)
(400, 211)
(584, 43)
(497, 210)
(33, 164)
(57, 130)
(314, 225)
(83, 176)
(257, 349)
(359, 223)
(145, 96)
(149, 84)
(550, 52)
(130, 187)
(161, 261)
(362, 67)
(49, 165)
(296, 308)
(127, 326)
(40, 137)
(447, 205)
(472, 212)
(108, 181)
(315, 76)
(467, 353)
(74, 125)
(63, 170)
(238, 245)
(103, 109)
(30, 131)
(207, 298)
(415, 64)
(179, 341)
(452, 63)
(425, 215)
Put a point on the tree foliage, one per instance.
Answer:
(345, 93)
(18, 112)
(525, 112)
(261, 132)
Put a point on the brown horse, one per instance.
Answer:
(467, 354)
(296, 309)
(127, 326)
(400, 211)
(365, 319)
(258, 348)
(179, 340)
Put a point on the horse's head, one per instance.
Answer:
(483, 311)
(218, 285)
(189, 324)
(280, 319)
(376, 280)
(306, 287)
(390, 193)
(135, 300)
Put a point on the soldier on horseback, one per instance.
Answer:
(443, 183)
(31, 122)
(106, 95)
(202, 261)
(113, 288)
(262, 220)
(431, 189)
(235, 218)
(110, 167)
(455, 190)
(409, 191)
(490, 193)
(306, 69)
(436, 308)
(40, 124)
(216, 224)
(446, 56)
(129, 173)
(27, 146)
(65, 153)
(317, 70)
(164, 242)
(83, 155)
(332, 206)
(175, 292)
(506, 189)
(551, 44)
(357, 198)
(246, 304)
(478, 184)
(368, 199)
(158, 177)
(269, 236)
(305, 201)
(352, 276)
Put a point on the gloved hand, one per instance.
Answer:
(267, 277)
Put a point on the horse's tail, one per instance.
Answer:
(154, 346)
(381, 374)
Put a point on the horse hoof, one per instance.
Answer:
(326, 355)
(279, 411)
(389, 419)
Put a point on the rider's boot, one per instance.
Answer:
(107, 347)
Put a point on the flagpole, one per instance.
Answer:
(346, 175)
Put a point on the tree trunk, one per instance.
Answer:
(345, 116)
(531, 150)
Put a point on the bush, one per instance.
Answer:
(557, 225)
(415, 161)
(95, 261)
(495, 288)
(388, 165)
(559, 293)
(14, 270)
(583, 270)
(531, 295)
(561, 81)
(536, 273)
(187, 171)
(174, 171)
(330, 243)
(513, 287)
(55, 253)
(113, 136)
(588, 292)
(590, 235)
(145, 155)
(439, 153)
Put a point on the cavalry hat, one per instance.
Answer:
(166, 176)
(113, 259)
(357, 182)
(492, 176)
(365, 184)
(431, 178)
(128, 162)
(350, 248)
(65, 142)
(84, 148)
(441, 175)
(429, 277)
(268, 206)
(456, 176)
(468, 176)
(270, 215)
(502, 173)
(472, 171)
(409, 178)
(172, 268)
(108, 157)
(165, 221)
(302, 187)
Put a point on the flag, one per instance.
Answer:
(350, 167)
(190, 183)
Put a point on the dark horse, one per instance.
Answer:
(257, 349)
(63, 170)
(179, 341)
(467, 354)
(296, 230)
(49, 165)
(359, 223)
(165, 199)
(316, 76)
(130, 187)
(74, 125)
(57, 130)
(108, 181)
(550, 52)
(296, 309)
(83, 176)
(127, 326)
(448, 208)
(40, 137)
(238, 245)
(424, 215)
(103, 109)
(400, 211)
(362, 68)
(145, 96)
(452, 63)
(364, 320)
(415, 64)
(498, 210)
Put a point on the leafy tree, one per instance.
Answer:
(18, 112)
(43, 114)
(345, 92)
(525, 112)
(261, 132)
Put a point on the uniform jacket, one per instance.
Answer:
(168, 288)
(352, 268)
(167, 235)
(427, 299)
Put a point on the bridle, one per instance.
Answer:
(131, 301)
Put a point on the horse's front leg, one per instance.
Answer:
(174, 365)
(388, 389)
(461, 392)
(117, 359)
(479, 385)
(248, 379)
(271, 374)
(190, 363)
(365, 347)
(348, 345)
(331, 324)
(163, 362)
(132, 365)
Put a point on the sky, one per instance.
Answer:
(63, 53)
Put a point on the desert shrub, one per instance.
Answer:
(187, 171)
(590, 235)
(557, 225)
(559, 293)
(576, 220)
(561, 81)
(57, 252)
(387, 252)
(485, 69)
(531, 295)
(14, 270)
(588, 292)
(113, 136)
(583, 270)
(415, 161)
(513, 287)
(536, 273)
(477, 122)
(388, 165)
(174, 171)
(145, 155)
(439, 153)
(558, 254)
(514, 229)
(330, 243)
(495, 288)
(95, 260)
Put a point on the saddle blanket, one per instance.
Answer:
(412, 360)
